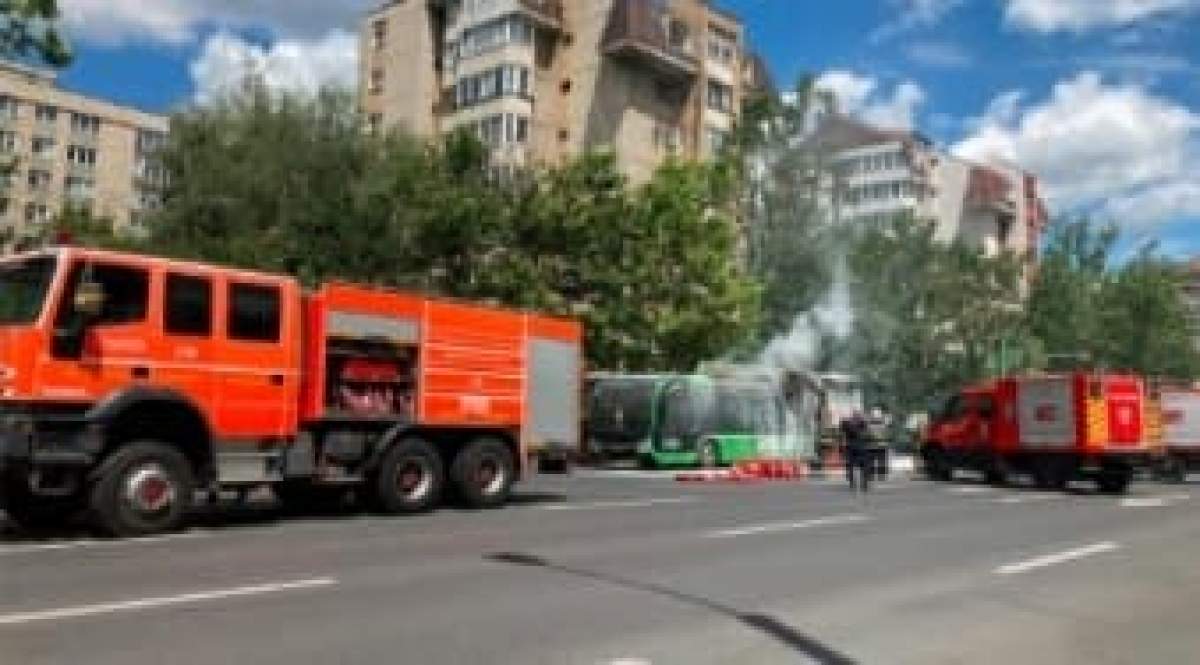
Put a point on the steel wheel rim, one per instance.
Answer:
(149, 489)
(414, 479)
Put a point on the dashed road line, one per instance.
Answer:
(162, 601)
(776, 527)
(1153, 501)
(632, 503)
(1030, 498)
(970, 489)
(1056, 558)
(29, 548)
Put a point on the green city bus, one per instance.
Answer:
(687, 420)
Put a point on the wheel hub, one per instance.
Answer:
(149, 489)
(413, 480)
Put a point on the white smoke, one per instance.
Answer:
(801, 348)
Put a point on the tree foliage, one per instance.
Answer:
(1089, 312)
(27, 32)
(296, 186)
(933, 315)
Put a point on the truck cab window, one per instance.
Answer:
(254, 313)
(126, 294)
(188, 308)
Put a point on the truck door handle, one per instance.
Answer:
(140, 372)
(276, 379)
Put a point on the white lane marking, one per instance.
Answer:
(1154, 501)
(775, 527)
(630, 661)
(1030, 498)
(970, 489)
(77, 544)
(1056, 558)
(634, 503)
(163, 601)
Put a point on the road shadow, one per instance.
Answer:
(765, 624)
(234, 515)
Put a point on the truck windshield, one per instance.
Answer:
(23, 288)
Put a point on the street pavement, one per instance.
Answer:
(623, 566)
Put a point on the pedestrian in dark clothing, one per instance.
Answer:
(859, 457)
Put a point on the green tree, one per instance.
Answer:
(932, 316)
(1089, 312)
(27, 31)
(297, 186)
(785, 179)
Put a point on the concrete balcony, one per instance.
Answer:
(546, 13)
(639, 31)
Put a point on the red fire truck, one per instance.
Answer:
(128, 383)
(1055, 428)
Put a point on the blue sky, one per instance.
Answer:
(1100, 97)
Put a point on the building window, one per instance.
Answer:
(37, 213)
(39, 180)
(8, 142)
(494, 34)
(721, 45)
(715, 139)
(46, 114)
(8, 106)
(379, 34)
(667, 138)
(188, 307)
(78, 188)
(376, 81)
(83, 123)
(502, 81)
(149, 141)
(720, 97)
(81, 156)
(375, 123)
(254, 313)
(43, 146)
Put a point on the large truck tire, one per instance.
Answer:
(410, 478)
(997, 473)
(1050, 474)
(1114, 481)
(483, 473)
(143, 488)
(32, 513)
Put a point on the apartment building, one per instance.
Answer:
(543, 80)
(65, 149)
(879, 174)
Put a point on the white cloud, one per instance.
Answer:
(180, 21)
(1114, 148)
(913, 14)
(945, 55)
(1048, 16)
(865, 98)
(288, 65)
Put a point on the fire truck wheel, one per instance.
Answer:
(937, 467)
(997, 473)
(483, 473)
(143, 488)
(1173, 470)
(708, 455)
(410, 478)
(1114, 481)
(38, 513)
(1049, 474)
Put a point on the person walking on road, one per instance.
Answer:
(859, 462)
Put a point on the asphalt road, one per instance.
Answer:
(619, 567)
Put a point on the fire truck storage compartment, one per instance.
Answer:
(370, 378)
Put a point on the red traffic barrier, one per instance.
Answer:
(749, 471)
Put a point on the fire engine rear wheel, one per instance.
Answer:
(483, 473)
(1050, 474)
(143, 488)
(410, 478)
